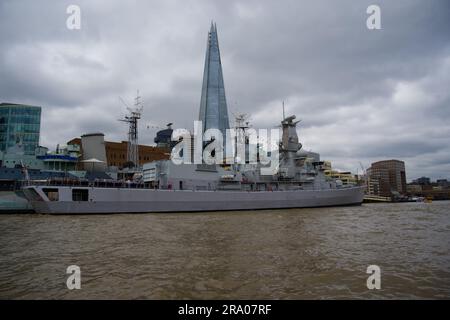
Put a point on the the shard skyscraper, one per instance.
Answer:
(213, 104)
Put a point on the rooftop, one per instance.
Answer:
(8, 104)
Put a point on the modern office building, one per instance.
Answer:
(387, 178)
(444, 183)
(423, 181)
(163, 138)
(213, 104)
(19, 125)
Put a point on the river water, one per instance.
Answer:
(318, 253)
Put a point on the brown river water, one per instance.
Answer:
(318, 253)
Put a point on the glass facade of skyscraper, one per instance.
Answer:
(213, 103)
(19, 124)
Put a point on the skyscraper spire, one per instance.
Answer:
(213, 104)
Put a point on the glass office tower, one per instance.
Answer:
(19, 124)
(213, 104)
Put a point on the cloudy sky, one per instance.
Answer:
(363, 95)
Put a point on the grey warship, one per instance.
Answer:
(298, 181)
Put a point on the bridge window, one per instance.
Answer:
(33, 195)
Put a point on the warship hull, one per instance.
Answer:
(123, 200)
(14, 202)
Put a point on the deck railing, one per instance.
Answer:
(88, 183)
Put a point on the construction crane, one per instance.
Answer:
(151, 126)
(362, 167)
(132, 119)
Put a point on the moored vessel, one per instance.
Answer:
(297, 182)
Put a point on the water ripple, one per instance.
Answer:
(280, 254)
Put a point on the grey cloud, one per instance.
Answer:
(361, 94)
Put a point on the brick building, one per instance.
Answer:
(116, 152)
(386, 178)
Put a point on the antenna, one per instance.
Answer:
(124, 103)
(284, 117)
(241, 125)
(25, 172)
(132, 119)
(241, 120)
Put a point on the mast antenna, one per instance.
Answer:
(132, 119)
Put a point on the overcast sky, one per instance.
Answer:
(363, 95)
